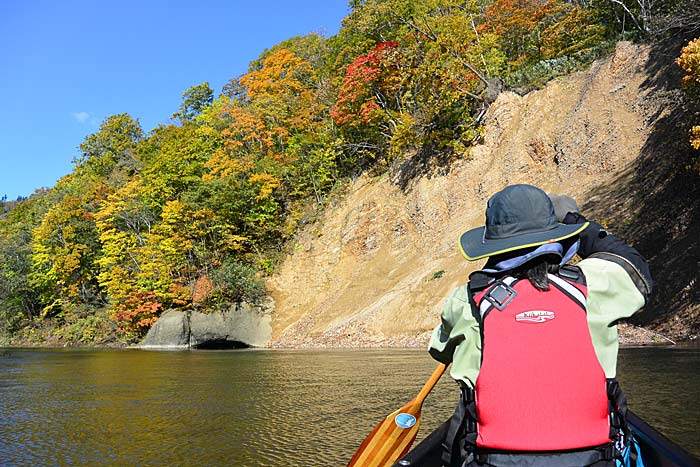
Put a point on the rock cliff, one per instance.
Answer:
(374, 269)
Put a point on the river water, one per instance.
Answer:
(256, 408)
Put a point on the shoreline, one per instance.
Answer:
(629, 336)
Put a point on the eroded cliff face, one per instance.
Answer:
(375, 268)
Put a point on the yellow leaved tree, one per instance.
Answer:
(690, 62)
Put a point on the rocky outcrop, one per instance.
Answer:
(171, 331)
(243, 326)
(238, 327)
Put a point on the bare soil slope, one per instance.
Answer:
(374, 270)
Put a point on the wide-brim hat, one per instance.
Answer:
(517, 217)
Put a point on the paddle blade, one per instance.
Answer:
(390, 440)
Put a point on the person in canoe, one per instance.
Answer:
(532, 340)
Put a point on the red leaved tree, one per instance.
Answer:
(371, 87)
(138, 313)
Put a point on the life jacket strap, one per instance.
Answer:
(460, 439)
(620, 430)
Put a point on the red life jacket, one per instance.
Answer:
(540, 386)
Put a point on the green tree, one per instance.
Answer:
(173, 159)
(236, 282)
(194, 101)
(19, 301)
(109, 155)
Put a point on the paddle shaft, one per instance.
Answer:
(389, 441)
(430, 384)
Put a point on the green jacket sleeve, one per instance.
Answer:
(612, 295)
(457, 339)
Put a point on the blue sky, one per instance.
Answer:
(66, 65)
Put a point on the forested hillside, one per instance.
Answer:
(197, 213)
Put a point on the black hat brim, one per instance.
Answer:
(474, 245)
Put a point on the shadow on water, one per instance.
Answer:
(654, 204)
(661, 385)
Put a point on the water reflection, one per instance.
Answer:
(257, 408)
(663, 387)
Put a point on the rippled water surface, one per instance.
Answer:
(258, 408)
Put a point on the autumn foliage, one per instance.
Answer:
(370, 80)
(533, 30)
(192, 214)
(689, 61)
(138, 312)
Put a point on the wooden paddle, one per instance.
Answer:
(392, 438)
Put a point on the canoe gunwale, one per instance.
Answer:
(657, 450)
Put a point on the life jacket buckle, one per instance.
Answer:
(500, 295)
(611, 452)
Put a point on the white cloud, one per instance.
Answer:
(80, 117)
